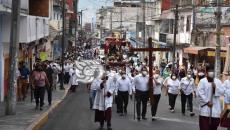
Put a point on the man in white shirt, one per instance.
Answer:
(124, 90)
(209, 91)
(93, 88)
(66, 72)
(141, 93)
(187, 87)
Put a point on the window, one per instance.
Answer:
(181, 25)
(188, 25)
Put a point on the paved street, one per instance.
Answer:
(74, 113)
(25, 112)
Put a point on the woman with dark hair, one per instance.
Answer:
(173, 90)
(39, 83)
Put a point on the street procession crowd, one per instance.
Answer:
(46, 75)
(121, 83)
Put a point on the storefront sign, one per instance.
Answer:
(213, 53)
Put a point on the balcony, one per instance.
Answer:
(167, 38)
(206, 18)
(8, 3)
(31, 28)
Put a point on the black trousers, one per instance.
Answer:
(123, 100)
(66, 78)
(49, 94)
(155, 105)
(141, 98)
(184, 99)
(39, 94)
(172, 100)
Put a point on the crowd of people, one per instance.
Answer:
(123, 83)
(44, 77)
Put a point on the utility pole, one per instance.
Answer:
(14, 45)
(111, 22)
(76, 21)
(101, 18)
(174, 37)
(218, 45)
(81, 20)
(143, 17)
(121, 20)
(63, 43)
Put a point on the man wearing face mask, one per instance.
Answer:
(124, 90)
(209, 91)
(157, 82)
(187, 87)
(226, 83)
(141, 93)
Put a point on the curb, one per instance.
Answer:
(43, 119)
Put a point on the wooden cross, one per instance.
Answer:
(150, 49)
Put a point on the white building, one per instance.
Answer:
(34, 28)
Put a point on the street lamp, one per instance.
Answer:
(81, 13)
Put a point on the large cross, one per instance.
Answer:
(150, 49)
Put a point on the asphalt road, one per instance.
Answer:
(74, 114)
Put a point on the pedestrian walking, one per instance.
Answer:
(39, 83)
(124, 89)
(24, 79)
(66, 73)
(49, 73)
(173, 90)
(158, 82)
(209, 91)
(141, 93)
(187, 90)
(93, 89)
(225, 116)
(103, 103)
(73, 80)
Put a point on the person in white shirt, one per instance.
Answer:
(141, 93)
(73, 81)
(116, 77)
(103, 102)
(209, 91)
(187, 89)
(93, 88)
(67, 75)
(173, 90)
(157, 82)
(124, 89)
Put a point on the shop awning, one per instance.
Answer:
(196, 50)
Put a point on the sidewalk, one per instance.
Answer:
(26, 113)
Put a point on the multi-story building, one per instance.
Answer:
(34, 29)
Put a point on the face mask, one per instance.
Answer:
(157, 75)
(211, 74)
(189, 76)
(173, 77)
(144, 73)
(201, 74)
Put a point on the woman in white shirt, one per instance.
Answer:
(157, 86)
(173, 90)
(187, 87)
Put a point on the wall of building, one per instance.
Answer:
(1, 62)
(8, 3)
(39, 8)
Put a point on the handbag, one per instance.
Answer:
(225, 117)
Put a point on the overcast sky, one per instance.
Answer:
(92, 6)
